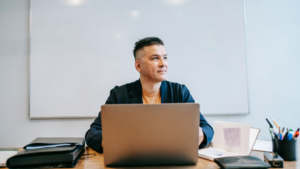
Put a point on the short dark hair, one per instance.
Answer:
(148, 41)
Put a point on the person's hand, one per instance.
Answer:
(201, 136)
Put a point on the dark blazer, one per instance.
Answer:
(132, 93)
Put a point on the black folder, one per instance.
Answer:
(66, 156)
(46, 141)
(241, 162)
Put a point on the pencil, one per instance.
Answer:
(275, 124)
(279, 132)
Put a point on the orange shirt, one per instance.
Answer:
(151, 98)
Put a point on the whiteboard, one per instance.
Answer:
(80, 50)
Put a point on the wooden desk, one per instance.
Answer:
(95, 160)
(91, 159)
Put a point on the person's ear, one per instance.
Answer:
(138, 65)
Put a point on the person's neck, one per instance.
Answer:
(149, 86)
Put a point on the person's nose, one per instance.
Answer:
(162, 62)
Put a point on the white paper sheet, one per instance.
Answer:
(232, 137)
(263, 145)
(218, 153)
(211, 153)
(4, 155)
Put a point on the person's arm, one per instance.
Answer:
(208, 131)
(93, 136)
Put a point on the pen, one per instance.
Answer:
(275, 123)
(290, 136)
(271, 133)
(269, 123)
(282, 133)
(279, 133)
(296, 134)
(286, 134)
(271, 127)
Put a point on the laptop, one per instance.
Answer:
(150, 134)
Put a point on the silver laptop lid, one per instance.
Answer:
(150, 134)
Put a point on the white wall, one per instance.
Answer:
(273, 63)
(16, 129)
(273, 59)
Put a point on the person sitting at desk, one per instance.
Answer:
(151, 62)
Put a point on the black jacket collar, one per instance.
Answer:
(136, 93)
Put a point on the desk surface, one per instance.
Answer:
(92, 159)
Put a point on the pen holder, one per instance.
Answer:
(287, 149)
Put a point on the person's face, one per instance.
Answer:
(152, 63)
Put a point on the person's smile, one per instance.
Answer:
(162, 71)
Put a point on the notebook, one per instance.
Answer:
(231, 139)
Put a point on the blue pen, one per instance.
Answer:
(290, 136)
(279, 136)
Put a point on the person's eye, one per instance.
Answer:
(166, 58)
(154, 58)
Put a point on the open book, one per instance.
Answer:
(231, 139)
